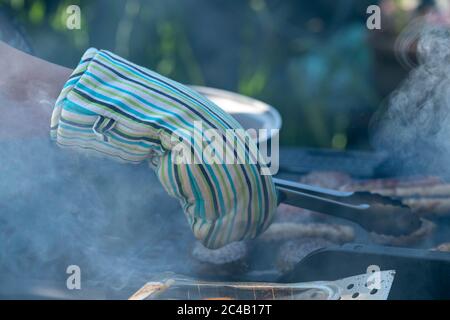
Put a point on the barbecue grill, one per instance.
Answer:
(419, 272)
(159, 246)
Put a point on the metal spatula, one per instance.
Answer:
(373, 212)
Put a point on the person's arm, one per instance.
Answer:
(29, 87)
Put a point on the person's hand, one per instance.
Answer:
(116, 108)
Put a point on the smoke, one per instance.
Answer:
(60, 208)
(413, 125)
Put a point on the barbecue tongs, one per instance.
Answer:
(374, 212)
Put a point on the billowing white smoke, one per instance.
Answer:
(59, 208)
(414, 124)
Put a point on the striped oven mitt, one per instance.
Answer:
(119, 109)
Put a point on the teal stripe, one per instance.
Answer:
(200, 204)
(71, 82)
(76, 108)
(103, 143)
(171, 176)
(110, 135)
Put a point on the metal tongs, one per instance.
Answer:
(374, 212)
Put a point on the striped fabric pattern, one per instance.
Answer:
(110, 106)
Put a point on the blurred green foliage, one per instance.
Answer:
(309, 59)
